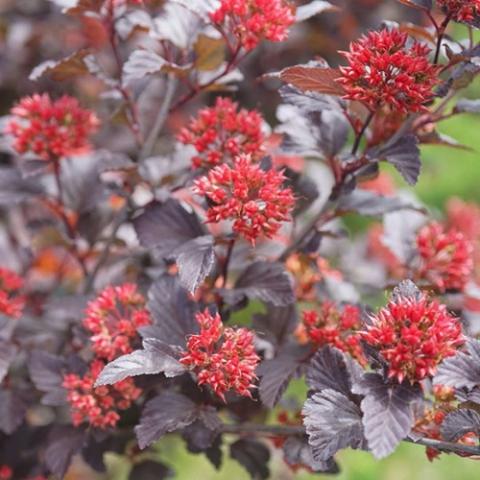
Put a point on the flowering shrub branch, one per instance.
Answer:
(173, 260)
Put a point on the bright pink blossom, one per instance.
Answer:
(11, 299)
(113, 319)
(446, 256)
(222, 132)
(50, 128)
(334, 326)
(254, 199)
(461, 10)
(222, 357)
(252, 21)
(98, 406)
(385, 70)
(414, 334)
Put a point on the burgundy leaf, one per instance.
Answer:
(172, 312)
(62, 444)
(253, 456)
(166, 226)
(461, 370)
(266, 281)
(195, 260)
(332, 422)
(150, 470)
(165, 413)
(298, 452)
(12, 411)
(387, 412)
(156, 357)
(46, 371)
(460, 422)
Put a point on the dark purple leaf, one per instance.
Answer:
(215, 453)
(142, 63)
(253, 456)
(332, 422)
(15, 189)
(460, 422)
(198, 437)
(403, 153)
(304, 189)
(329, 370)
(7, 355)
(12, 411)
(277, 323)
(275, 374)
(368, 203)
(166, 226)
(297, 452)
(195, 260)
(461, 370)
(172, 312)
(63, 443)
(150, 470)
(387, 412)
(165, 413)
(46, 371)
(156, 357)
(266, 281)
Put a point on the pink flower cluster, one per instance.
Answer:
(465, 218)
(252, 198)
(384, 70)
(334, 326)
(98, 406)
(446, 256)
(461, 10)
(222, 357)
(50, 128)
(113, 319)
(252, 21)
(414, 334)
(11, 299)
(222, 132)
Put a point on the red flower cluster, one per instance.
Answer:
(333, 326)
(384, 71)
(429, 425)
(5, 472)
(51, 129)
(222, 132)
(113, 319)
(461, 10)
(252, 198)
(222, 357)
(414, 334)
(252, 21)
(465, 217)
(11, 300)
(98, 406)
(446, 256)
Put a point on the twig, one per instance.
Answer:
(360, 134)
(287, 430)
(161, 118)
(90, 281)
(226, 262)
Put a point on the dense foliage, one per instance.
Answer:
(171, 261)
